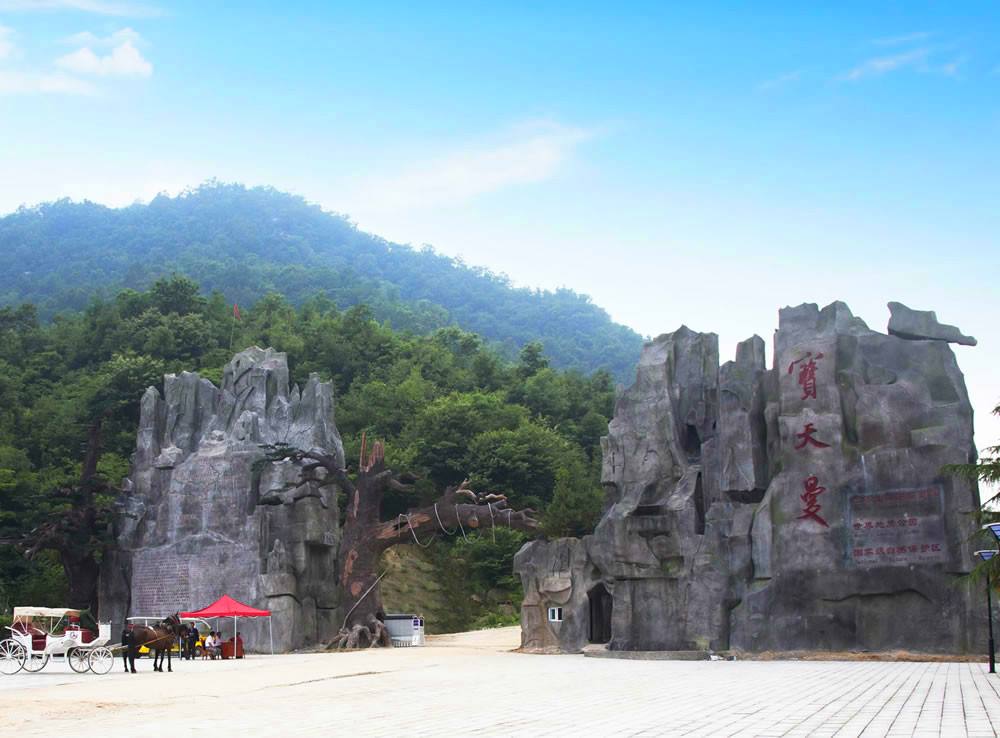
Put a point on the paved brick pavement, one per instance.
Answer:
(470, 684)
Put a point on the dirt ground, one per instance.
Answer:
(200, 694)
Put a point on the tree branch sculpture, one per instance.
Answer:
(365, 536)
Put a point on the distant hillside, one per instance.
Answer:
(247, 242)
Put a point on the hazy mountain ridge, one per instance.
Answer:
(247, 242)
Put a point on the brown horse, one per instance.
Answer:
(159, 638)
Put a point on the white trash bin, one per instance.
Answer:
(405, 629)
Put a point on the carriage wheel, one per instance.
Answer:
(11, 657)
(101, 659)
(35, 662)
(77, 658)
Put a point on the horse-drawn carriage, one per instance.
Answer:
(30, 646)
(147, 621)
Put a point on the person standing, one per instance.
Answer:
(192, 642)
(126, 643)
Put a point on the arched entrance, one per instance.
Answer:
(600, 614)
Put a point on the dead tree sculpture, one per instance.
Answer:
(365, 536)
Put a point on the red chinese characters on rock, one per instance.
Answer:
(811, 498)
(806, 438)
(913, 548)
(807, 373)
(811, 485)
(899, 527)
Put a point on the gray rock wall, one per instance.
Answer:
(800, 507)
(197, 522)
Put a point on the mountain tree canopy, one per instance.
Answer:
(447, 405)
(245, 243)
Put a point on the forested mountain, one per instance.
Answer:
(447, 406)
(245, 243)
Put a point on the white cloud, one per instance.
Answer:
(529, 153)
(6, 45)
(32, 83)
(951, 68)
(781, 80)
(906, 38)
(884, 64)
(90, 40)
(100, 7)
(124, 61)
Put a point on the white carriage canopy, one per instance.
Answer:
(25, 614)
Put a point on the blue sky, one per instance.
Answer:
(702, 163)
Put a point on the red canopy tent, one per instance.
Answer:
(227, 607)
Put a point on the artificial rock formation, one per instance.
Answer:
(920, 324)
(198, 520)
(800, 507)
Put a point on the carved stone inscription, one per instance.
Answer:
(160, 581)
(900, 527)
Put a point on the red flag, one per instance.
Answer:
(236, 312)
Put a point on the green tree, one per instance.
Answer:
(177, 294)
(520, 462)
(532, 359)
(441, 433)
(576, 504)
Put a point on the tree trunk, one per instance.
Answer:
(71, 534)
(364, 540)
(357, 560)
(364, 536)
(82, 569)
(82, 573)
(361, 599)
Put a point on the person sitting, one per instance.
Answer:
(216, 646)
(238, 646)
(209, 650)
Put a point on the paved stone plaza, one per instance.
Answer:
(471, 684)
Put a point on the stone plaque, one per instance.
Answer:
(160, 583)
(898, 527)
